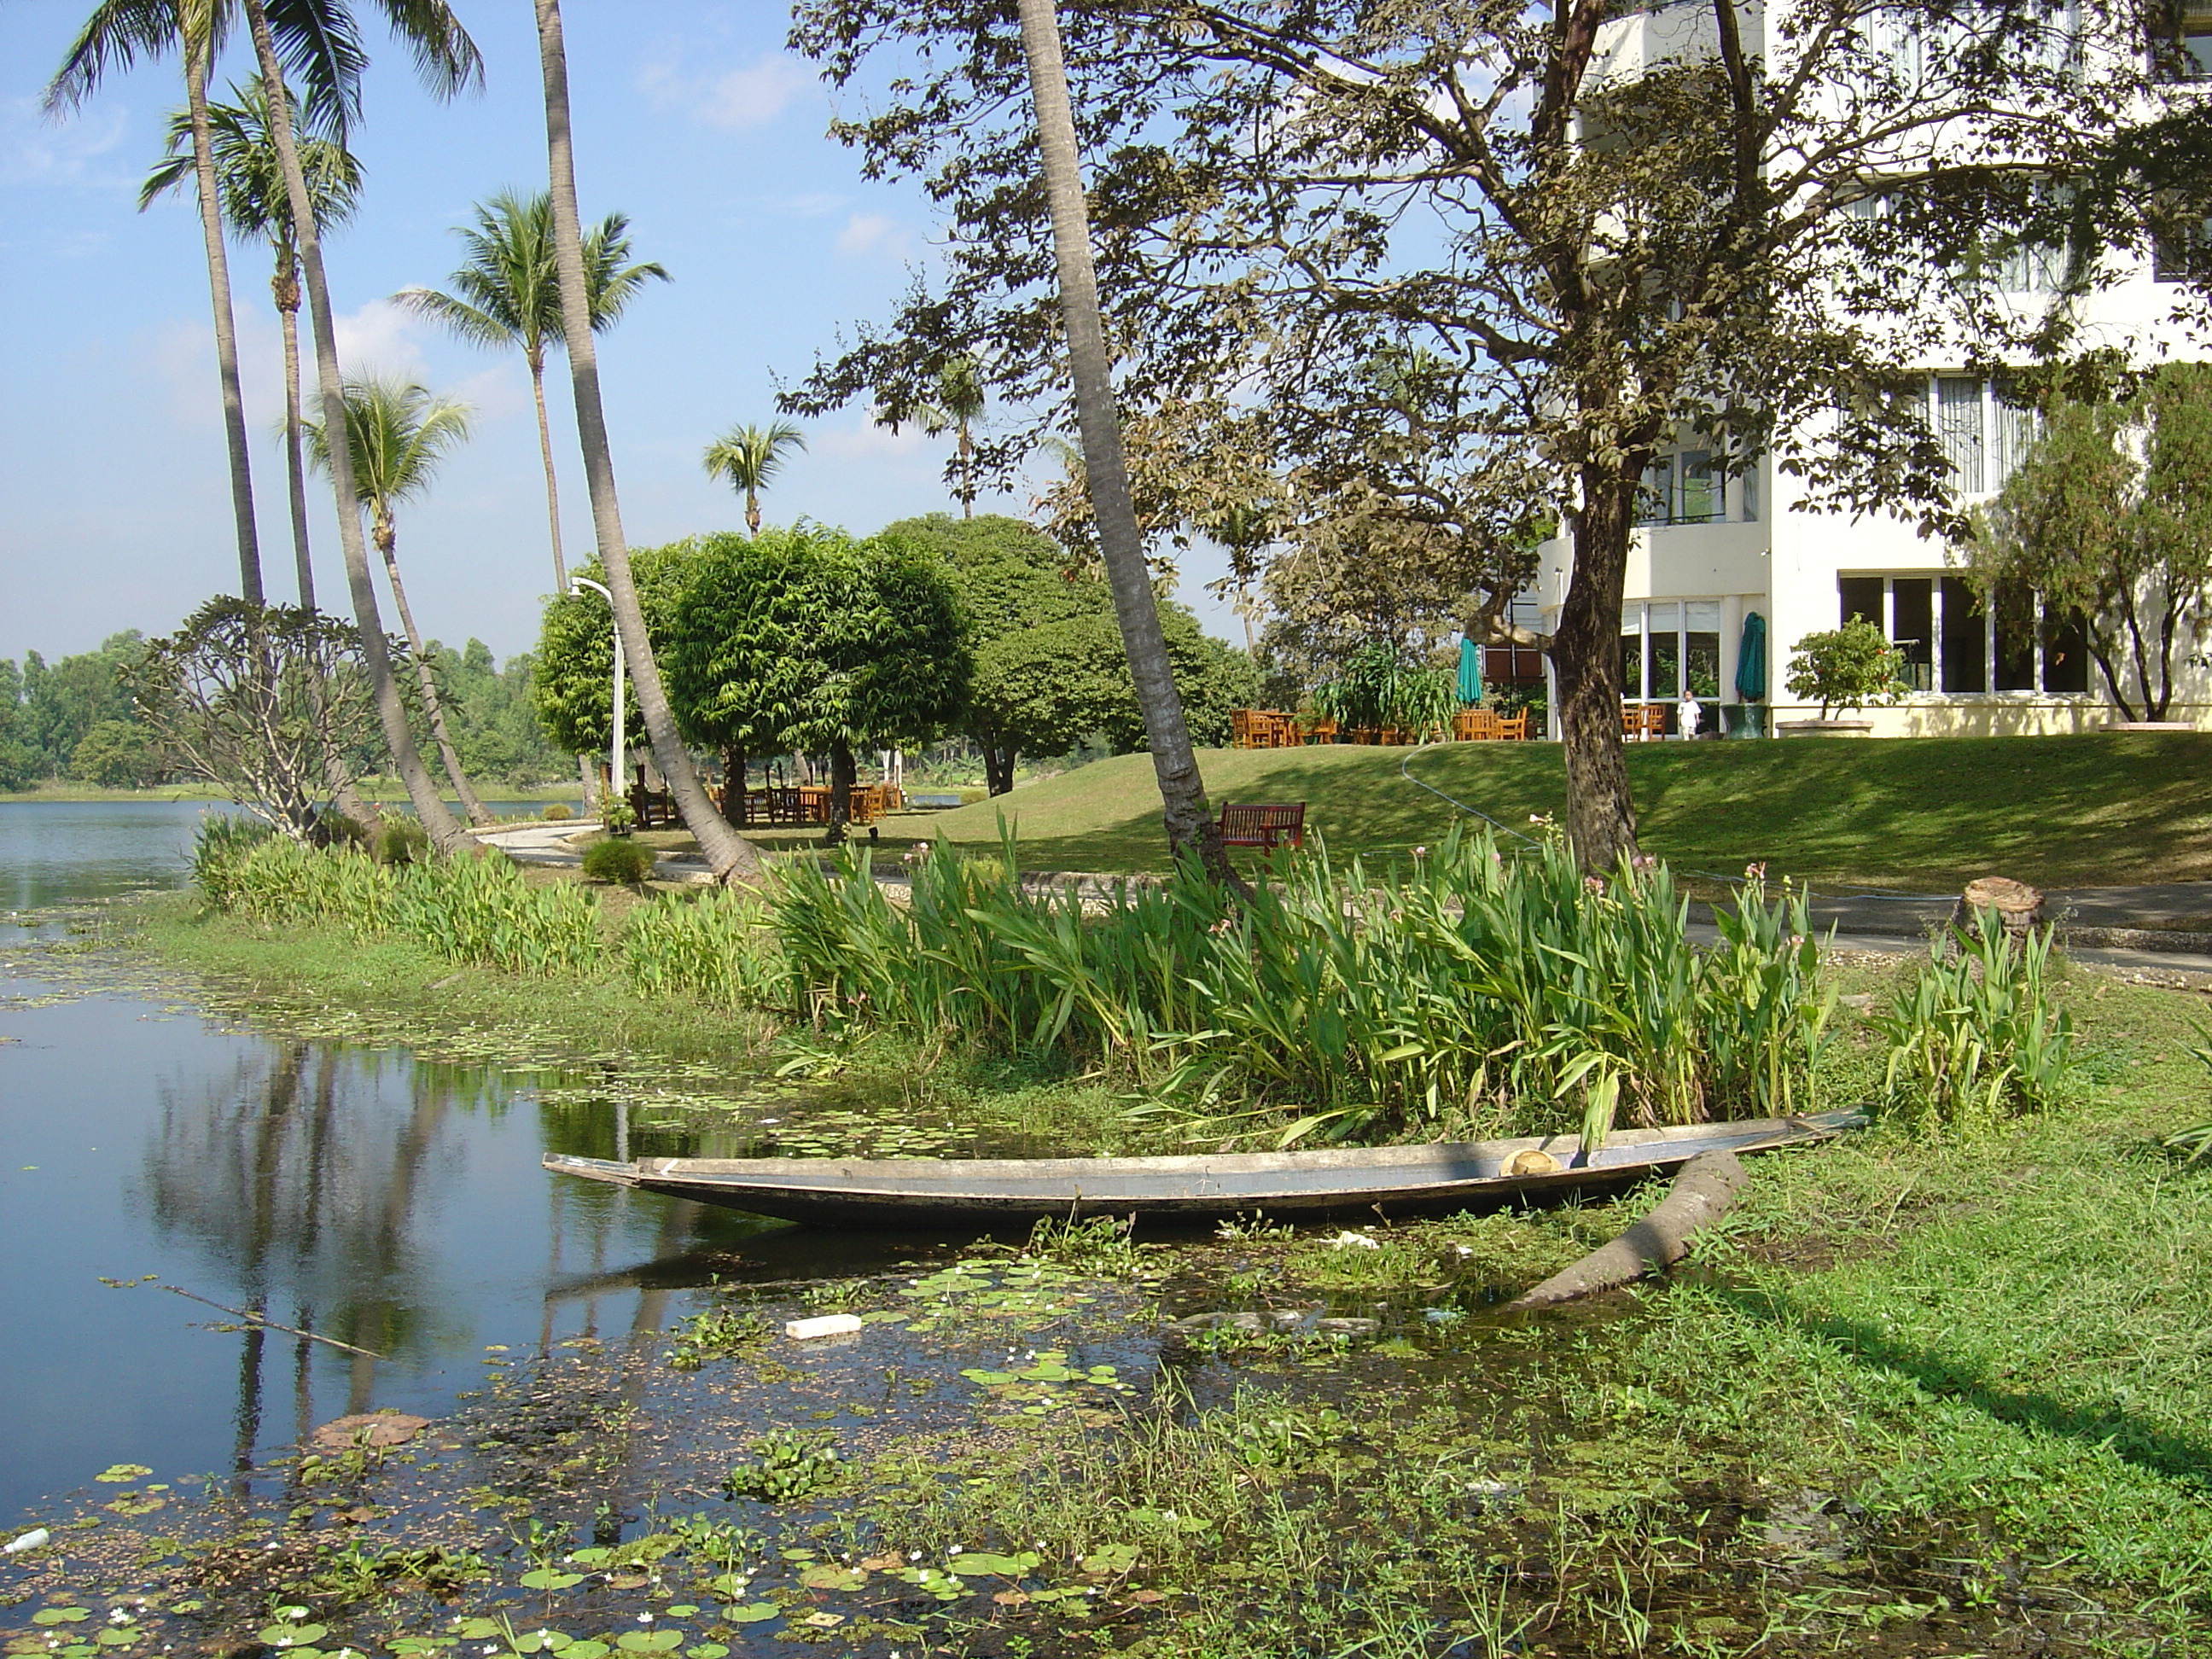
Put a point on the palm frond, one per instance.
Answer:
(749, 456)
(397, 431)
(117, 35)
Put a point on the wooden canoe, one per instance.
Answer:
(1385, 1181)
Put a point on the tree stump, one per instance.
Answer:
(2018, 906)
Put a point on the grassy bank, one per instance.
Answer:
(1914, 812)
(1911, 1400)
(376, 789)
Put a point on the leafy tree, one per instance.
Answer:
(398, 433)
(2109, 517)
(749, 456)
(1846, 667)
(1050, 671)
(62, 701)
(509, 295)
(572, 685)
(267, 703)
(1436, 251)
(117, 754)
(16, 769)
(494, 724)
(728, 854)
(250, 181)
(806, 638)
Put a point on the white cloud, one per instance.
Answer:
(819, 204)
(68, 153)
(751, 97)
(870, 443)
(380, 339)
(874, 233)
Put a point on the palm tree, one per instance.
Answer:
(251, 182)
(958, 406)
(509, 295)
(729, 855)
(116, 35)
(1190, 821)
(399, 433)
(749, 456)
(447, 59)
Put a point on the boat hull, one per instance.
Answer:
(1384, 1182)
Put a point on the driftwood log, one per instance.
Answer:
(2018, 906)
(1705, 1191)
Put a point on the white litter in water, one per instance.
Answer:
(32, 1540)
(823, 1325)
(1353, 1241)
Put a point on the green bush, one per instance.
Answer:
(1846, 667)
(218, 848)
(619, 860)
(400, 840)
(1466, 992)
(1975, 1037)
(557, 811)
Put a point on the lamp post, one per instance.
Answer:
(615, 746)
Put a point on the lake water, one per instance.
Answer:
(360, 1192)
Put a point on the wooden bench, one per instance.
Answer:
(1265, 825)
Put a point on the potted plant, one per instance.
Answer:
(1848, 667)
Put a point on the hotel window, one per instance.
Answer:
(1691, 488)
(1983, 434)
(1953, 642)
(1668, 646)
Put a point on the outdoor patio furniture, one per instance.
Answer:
(1475, 724)
(1512, 728)
(1263, 824)
(1644, 722)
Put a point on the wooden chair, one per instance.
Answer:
(1263, 824)
(1511, 728)
(1643, 722)
(1475, 724)
(1240, 729)
(1321, 729)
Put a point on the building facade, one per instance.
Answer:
(1712, 551)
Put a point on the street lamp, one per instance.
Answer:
(615, 747)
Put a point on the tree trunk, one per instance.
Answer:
(1705, 1191)
(1189, 820)
(444, 830)
(843, 775)
(728, 853)
(997, 767)
(752, 510)
(552, 483)
(1586, 654)
(733, 785)
(286, 287)
(967, 472)
(434, 706)
(226, 324)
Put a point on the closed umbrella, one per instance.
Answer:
(1470, 672)
(1751, 660)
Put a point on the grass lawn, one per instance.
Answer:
(1911, 812)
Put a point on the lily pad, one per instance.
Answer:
(117, 1474)
(300, 1635)
(752, 1613)
(649, 1641)
(60, 1615)
(550, 1578)
(983, 1564)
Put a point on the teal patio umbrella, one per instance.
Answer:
(1470, 672)
(1751, 660)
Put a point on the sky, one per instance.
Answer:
(690, 118)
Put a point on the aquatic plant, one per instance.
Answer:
(790, 1466)
(715, 945)
(1465, 988)
(1976, 1034)
(220, 843)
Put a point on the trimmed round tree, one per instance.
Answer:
(572, 687)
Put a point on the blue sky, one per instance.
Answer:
(113, 503)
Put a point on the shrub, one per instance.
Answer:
(220, 843)
(557, 811)
(618, 860)
(480, 909)
(1466, 990)
(1846, 667)
(400, 840)
(1975, 1036)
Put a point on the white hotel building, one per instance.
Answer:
(1715, 550)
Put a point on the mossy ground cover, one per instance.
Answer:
(1911, 1398)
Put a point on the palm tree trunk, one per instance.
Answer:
(967, 471)
(552, 484)
(387, 543)
(226, 324)
(728, 853)
(752, 510)
(1190, 821)
(287, 289)
(444, 830)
